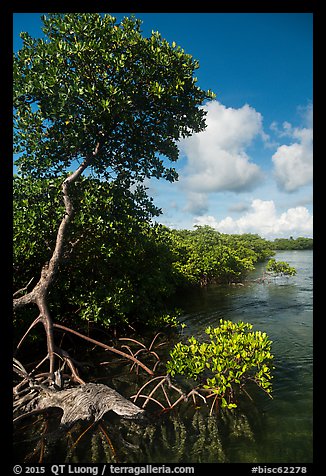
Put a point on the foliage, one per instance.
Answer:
(233, 356)
(300, 243)
(204, 255)
(37, 211)
(116, 264)
(98, 96)
(261, 247)
(94, 81)
(280, 267)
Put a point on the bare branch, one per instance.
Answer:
(133, 340)
(162, 377)
(166, 396)
(23, 289)
(36, 321)
(215, 400)
(39, 292)
(154, 339)
(152, 392)
(151, 398)
(104, 346)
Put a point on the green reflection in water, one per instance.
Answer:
(262, 430)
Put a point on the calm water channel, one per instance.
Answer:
(263, 430)
(283, 308)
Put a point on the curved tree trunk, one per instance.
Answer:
(38, 295)
(88, 400)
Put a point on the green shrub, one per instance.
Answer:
(204, 256)
(280, 267)
(116, 265)
(232, 357)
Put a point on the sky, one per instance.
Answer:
(251, 170)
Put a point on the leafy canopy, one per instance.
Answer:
(280, 267)
(206, 256)
(233, 356)
(300, 243)
(92, 81)
(116, 264)
(98, 94)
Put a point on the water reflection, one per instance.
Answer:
(283, 309)
(261, 430)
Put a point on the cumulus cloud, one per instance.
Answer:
(293, 163)
(262, 218)
(197, 203)
(238, 207)
(217, 158)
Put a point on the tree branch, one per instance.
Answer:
(49, 270)
(38, 295)
(104, 346)
(24, 288)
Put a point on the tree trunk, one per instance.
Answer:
(38, 295)
(88, 400)
(85, 402)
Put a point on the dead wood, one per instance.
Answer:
(86, 402)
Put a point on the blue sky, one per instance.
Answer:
(250, 171)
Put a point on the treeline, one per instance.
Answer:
(205, 256)
(119, 267)
(300, 243)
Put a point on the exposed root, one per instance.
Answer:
(85, 402)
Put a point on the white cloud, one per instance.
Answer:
(197, 203)
(238, 207)
(217, 158)
(293, 164)
(262, 218)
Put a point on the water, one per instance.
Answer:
(283, 309)
(264, 430)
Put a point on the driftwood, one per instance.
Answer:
(86, 402)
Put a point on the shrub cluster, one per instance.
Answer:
(233, 356)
